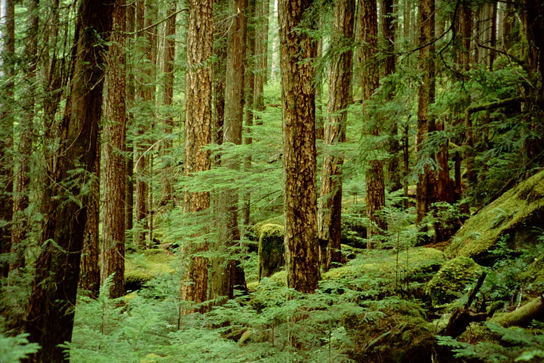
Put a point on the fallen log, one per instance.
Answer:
(533, 310)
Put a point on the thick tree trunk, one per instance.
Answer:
(168, 98)
(224, 266)
(261, 55)
(198, 119)
(425, 123)
(6, 129)
(52, 303)
(375, 185)
(330, 211)
(112, 257)
(219, 72)
(24, 148)
(299, 150)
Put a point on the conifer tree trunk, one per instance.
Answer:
(112, 257)
(375, 185)
(330, 211)
(261, 55)
(224, 267)
(425, 124)
(198, 119)
(52, 303)
(219, 72)
(89, 277)
(130, 100)
(6, 128)
(249, 105)
(299, 150)
(394, 172)
(168, 98)
(24, 147)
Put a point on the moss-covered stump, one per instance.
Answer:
(450, 282)
(512, 216)
(380, 273)
(140, 268)
(393, 330)
(271, 250)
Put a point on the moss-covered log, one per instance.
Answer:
(533, 310)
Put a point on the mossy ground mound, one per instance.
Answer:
(511, 216)
(450, 282)
(379, 271)
(140, 268)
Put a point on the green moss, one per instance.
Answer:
(449, 283)
(417, 260)
(520, 207)
(142, 267)
(258, 227)
(136, 279)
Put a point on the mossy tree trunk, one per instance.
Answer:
(375, 185)
(51, 309)
(330, 211)
(299, 150)
(112, 258)
(198, 134)
(130, 102)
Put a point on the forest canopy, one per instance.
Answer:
(271, 180)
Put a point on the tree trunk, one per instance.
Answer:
(24, 148)
(375, 185)
(219, 73)
(261, 55)
(6, 129)
(425, 123)
(112, 258)
(89, 277)
(51, 312)
(130, 101)
(394, 172)
(168, 98)
(330, 211)
(198, 119)
(299, 150)
(224, 266)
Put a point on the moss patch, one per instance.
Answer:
(142, 267)
(449, 283)
(377, 270)
(515, 212)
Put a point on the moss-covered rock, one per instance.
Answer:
(449, 283)
(511, 216)
(390, 331)
(271, 250)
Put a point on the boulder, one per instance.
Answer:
(512, 217)
(271, 250)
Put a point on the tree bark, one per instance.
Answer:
(112, 258)
(198, 119)
(299, 150)
(130, 102)
(89, 277)
(330, 211)
(168, 99)
(425, 122)
(6, 129)
(394, 172)
(375, 184)
(224, 266)
(52, 303)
